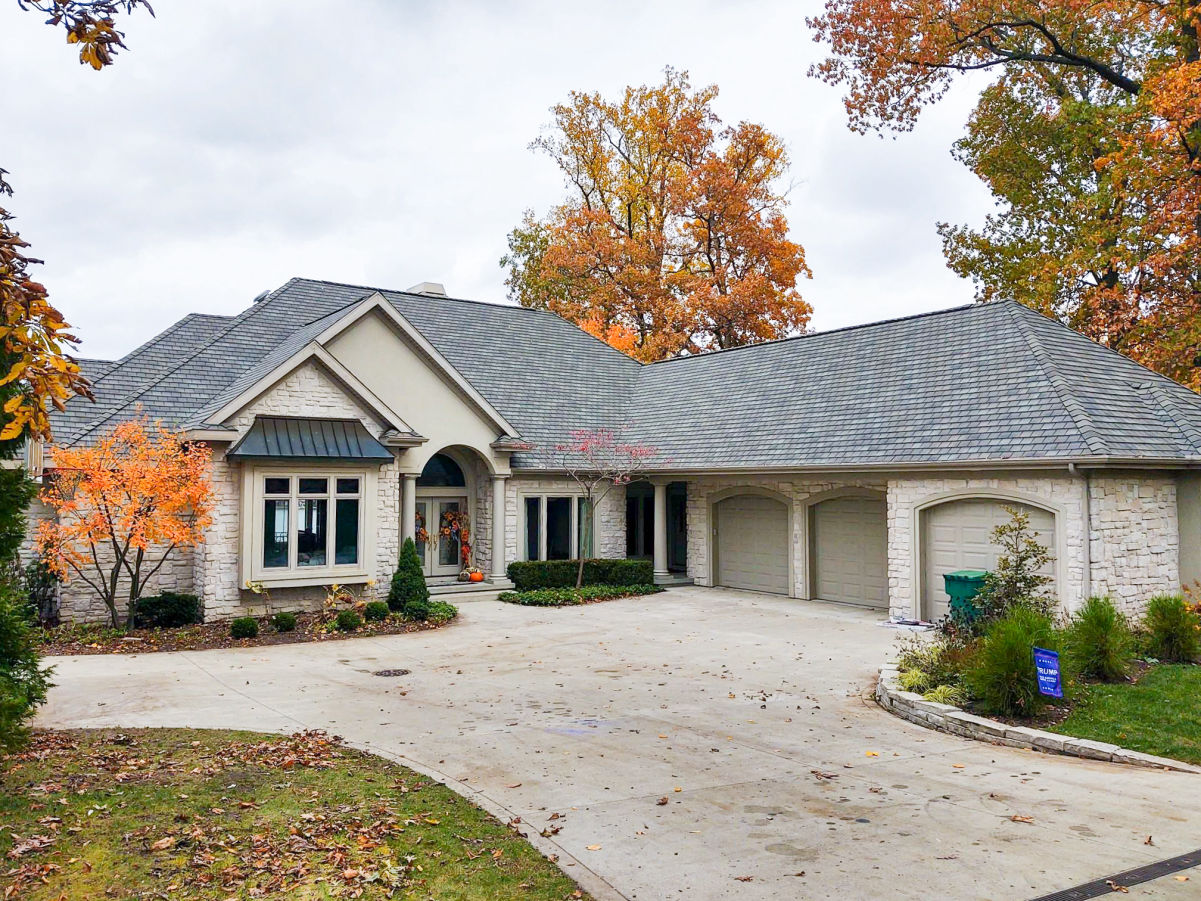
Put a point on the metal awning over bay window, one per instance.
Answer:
(277, 438)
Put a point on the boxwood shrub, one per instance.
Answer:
(167, 610)
(347, 621)
(244, 627)
(567, 597)
(533, 574)
(284, 621)
(375, 611)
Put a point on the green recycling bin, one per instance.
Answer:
(962, 587)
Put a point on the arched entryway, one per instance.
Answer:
(443, 507)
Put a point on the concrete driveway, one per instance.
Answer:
(748, 713)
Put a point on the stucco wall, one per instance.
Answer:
(610, 538)
(701, 493)
(1135, 536)
(309, 391)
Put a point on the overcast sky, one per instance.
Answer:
(237, 144)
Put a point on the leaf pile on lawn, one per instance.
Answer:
(209, 815)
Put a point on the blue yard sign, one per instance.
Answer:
(1047, 664)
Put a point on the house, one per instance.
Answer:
(856, 465)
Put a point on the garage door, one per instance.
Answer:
(752, 543)
(849, 550)
(958, 535)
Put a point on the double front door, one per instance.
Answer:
(442, 554)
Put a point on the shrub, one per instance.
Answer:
(408, 594)
(347, 621)
(244, 627)
(1172, 629)
(915, 680)
(528, 575)
(442, 612)
(167, 611)
(284, 621)
(1002, 677)
(947, 694)
(23, 681)
(1016, 578)
(375, 611)
(41, 590)
(1099, 641)
(567, 597)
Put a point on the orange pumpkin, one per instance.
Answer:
(476, 576)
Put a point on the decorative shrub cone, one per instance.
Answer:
(408, 594)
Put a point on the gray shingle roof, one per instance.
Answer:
(985, 382)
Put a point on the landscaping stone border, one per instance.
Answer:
(948, 718)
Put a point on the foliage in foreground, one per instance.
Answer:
(1172, 629)
(1158, 714)
(23, 681)
(530, 574)
(207, 815)
(567, 597)
(168, 610)
(1099, 641)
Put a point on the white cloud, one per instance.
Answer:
(238, 144)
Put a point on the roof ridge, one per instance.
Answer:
(374, 288)
(1189, 432)
(1079, 416)
(833, 331)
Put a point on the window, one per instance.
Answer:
(554, 527)
(309, 521)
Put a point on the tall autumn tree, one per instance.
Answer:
(673, 238)
(122, 507)
(36, 369)
(1089, 138)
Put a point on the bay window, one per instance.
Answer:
(309, 524)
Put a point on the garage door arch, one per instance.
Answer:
(754, 549)
(966, 519)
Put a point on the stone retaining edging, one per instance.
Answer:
(948, 718)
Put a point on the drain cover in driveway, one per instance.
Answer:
(391, 672)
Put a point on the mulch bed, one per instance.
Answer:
(69, 640)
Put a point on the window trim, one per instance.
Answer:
(575, 495)
(254, 495)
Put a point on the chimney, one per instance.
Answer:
(429, 289)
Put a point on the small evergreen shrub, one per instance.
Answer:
(167, 610)
(347, 621)
(1173, 629)
(375, 611)
(441, 612)
(284, 621)
(1017, 578)
(1002, 677)
(528, 575)
(408, 594)
(567, 597)
(244, 627)
(1099, 641)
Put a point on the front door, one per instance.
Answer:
(441, 556)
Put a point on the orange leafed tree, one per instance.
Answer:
(123, 506)
(673, 238)
(1088, 135)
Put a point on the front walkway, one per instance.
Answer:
(746, 712)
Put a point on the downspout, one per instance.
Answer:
(1088, 528)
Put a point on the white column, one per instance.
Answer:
(408, 506)
(660, 530)
(499, 508)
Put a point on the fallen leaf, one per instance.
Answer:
(1147, 841)
(163, 844)
(514, 785)
(593, 848)
(957, 766)
(744, 878)
(871, 753)
(677, 789)
(1182, 879)
(662, 801)
(1019, 818)
(1114, 887)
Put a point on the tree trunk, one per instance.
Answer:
(579, 575)
(110, 597)
(136, 575)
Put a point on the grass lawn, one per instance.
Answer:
(201, 814)
(1158, 714)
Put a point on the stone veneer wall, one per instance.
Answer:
(610, 538)
(306, 392)
(1135, 538)
(700, 494)
(1064, 494)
